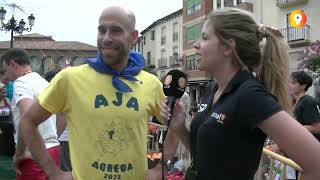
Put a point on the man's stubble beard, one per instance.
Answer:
(117, 59)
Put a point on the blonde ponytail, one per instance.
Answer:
(273, 70)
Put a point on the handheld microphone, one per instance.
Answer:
(174, 85)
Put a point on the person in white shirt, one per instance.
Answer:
(27, 86)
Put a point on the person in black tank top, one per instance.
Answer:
(6, 126)
(7, 145)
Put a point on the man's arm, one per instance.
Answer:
(28, 128)
(23, 105)
(314, 128)
(20, 153)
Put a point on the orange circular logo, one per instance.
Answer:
(297, 18)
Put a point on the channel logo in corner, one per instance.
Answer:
(297, 18)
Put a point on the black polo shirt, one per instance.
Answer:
(225, 140)
(307, 112)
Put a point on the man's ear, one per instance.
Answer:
(229, 47)
(304, 86)
(12, 63)
(134, 35)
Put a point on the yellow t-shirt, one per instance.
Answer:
(107, 128)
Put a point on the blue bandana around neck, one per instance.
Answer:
(135, 63)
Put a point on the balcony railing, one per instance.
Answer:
(284, 3)
(297, 35)
(174, 60)
(163, 40)
(175, 37)
(162, 62)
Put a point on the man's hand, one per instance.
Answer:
(275, 148)
(156, 172)
(18, 159)
(61, 175)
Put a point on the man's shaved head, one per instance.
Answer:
(116, 35)
(128, 15)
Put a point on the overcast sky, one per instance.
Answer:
(77, 20)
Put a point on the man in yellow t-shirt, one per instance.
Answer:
(107, 103)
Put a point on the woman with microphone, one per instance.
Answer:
(247, 102)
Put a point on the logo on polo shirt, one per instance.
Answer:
(202, 107)
(220, 117)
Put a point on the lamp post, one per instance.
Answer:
(12, 24)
